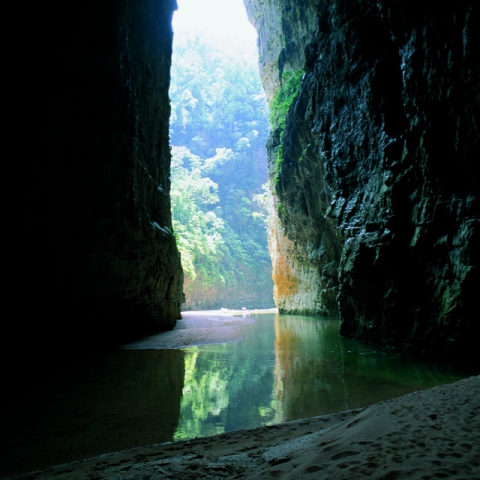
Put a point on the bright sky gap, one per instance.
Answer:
(219, 17)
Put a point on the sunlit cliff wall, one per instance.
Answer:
(100, 262)
(303, 273)
(377, 191)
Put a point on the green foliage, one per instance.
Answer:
(198, 230)
(279, 107)
(282, 100)
(218, 130)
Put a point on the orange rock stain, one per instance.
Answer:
(286, 284)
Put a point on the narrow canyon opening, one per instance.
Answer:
(374, 175)
(218, 134)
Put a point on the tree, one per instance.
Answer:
(218, 129)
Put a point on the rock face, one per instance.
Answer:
(376, 187)
(284, 30)
(300, 285)
(377, 190)
(102, 262)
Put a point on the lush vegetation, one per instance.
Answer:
(218, 134)
(282, 100)
(279, 107)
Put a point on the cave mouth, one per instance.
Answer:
(218, 132)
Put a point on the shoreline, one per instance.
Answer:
(348, 444)
(202, 327)
(427, 434)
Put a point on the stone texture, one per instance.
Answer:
(379, 184)
(284, 29)
(379, 218)
(101, 262)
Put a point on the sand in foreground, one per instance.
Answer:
(428, 434)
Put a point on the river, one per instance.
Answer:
(286, 367)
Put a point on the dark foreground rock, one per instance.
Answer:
(97, 261)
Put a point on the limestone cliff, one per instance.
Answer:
(284, 29)
(377, 181)
(101, 261)
(300, 283)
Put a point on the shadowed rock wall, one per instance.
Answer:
(101, 261)
(379, 178)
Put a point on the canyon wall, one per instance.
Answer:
(375, 173)
(301, 283)
(100, 261)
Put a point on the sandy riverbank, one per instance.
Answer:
(202, 328)
(428, 434)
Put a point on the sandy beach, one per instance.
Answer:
(424, 435)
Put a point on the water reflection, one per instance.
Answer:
(287, 367)
(103, 404)
(229, 386)
(319, 372)
(291, 367)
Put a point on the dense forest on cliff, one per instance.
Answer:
(218, 131)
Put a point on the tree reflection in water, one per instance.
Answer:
(290, 367)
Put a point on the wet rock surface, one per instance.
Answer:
(377, 191)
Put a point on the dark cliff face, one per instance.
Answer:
(379, 179)
(378, 183)
(101, 257)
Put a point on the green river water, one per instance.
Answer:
(287, 367)
(290, 367)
